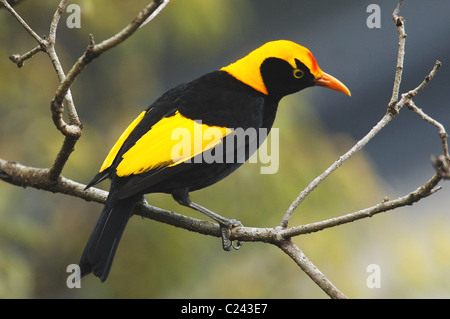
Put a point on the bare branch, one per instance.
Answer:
(390, 114)
(409, 95)
(441, 165)
(308, 267)
(22, 22)
(12, 3)
(56, 17)
(24, 176)
(95, 50)
(73, 131)
(400, 24)
(360, 144)
(442, 133)
(386, 205)
(20, 59)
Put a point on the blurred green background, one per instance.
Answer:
(41, 233)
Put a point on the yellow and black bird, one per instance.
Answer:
(148, 158)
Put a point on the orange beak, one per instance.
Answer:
(331, 82)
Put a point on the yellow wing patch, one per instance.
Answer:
(115, 149)
(169, 142)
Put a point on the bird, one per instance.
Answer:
(150, 157)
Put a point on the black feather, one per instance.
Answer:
(101, 247)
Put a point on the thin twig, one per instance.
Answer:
(20, 59)
(390, 114)
(442, 133)
(440, 163)
(95, 50)
(312, 271)
(22, 22)
(360, 144)
(386, 205)
(73, 131)
(74, 126)
(11, 3)
(409, 95)
(56, 17)
(442, 166)
(400, 25)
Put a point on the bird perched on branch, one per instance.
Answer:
(150, 158)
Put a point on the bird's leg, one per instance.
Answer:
(225, 224)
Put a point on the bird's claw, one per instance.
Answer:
(227, 244)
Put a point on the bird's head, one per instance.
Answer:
(282, 67)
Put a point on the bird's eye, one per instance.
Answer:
(298, 74)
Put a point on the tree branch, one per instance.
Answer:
(442, 133)
(358, 146)
(392, 111)
(20, 59)
(95, 50)
(386, 205)
(406, 98)
(12, 3)
(308, 267)
(73, 132)
(400, 24)
(22, 22)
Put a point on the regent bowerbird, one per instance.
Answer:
(244, 94)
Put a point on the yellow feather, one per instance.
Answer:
(247, 69)
(169, 142)
(115, 149)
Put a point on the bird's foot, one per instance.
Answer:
(225, 228)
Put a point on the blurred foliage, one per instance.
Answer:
(41, 233)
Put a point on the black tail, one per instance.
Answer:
(101, 247)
